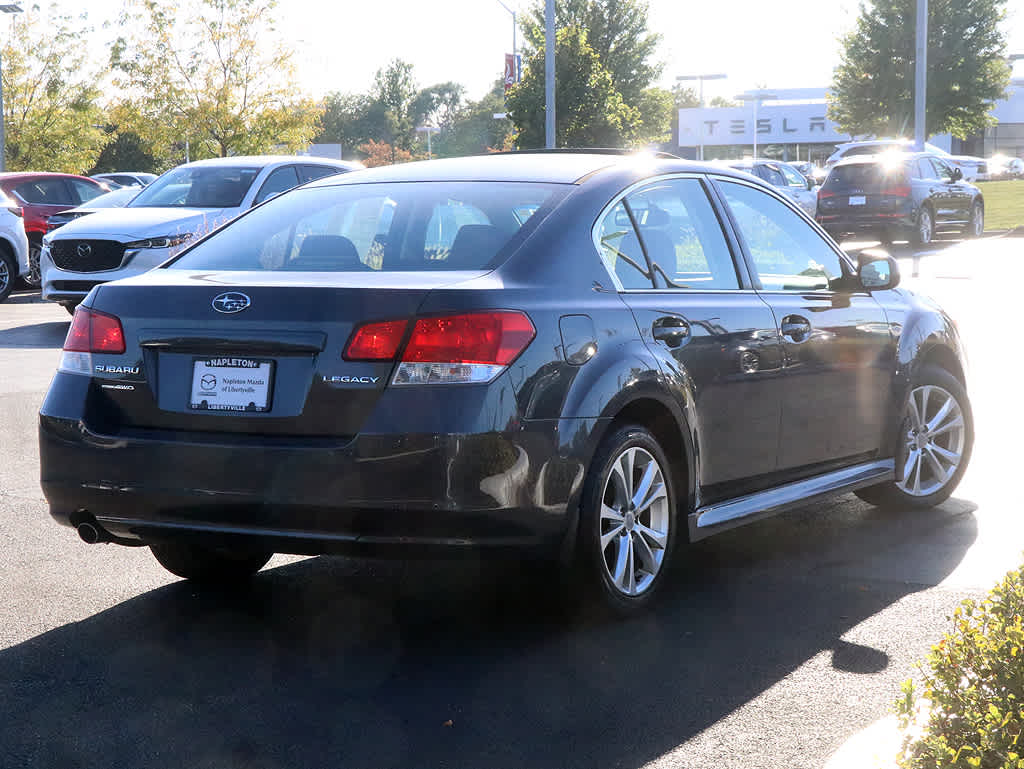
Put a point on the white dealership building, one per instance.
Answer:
(793, 124)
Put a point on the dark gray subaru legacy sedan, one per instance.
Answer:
(588, 357)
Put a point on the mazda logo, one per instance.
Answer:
(84, 250)
(231, 301)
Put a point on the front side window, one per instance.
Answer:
(384, 227)
(682, 235)
(199, 187)
(793, 178)
(280, 180)
(85, 191)
(788, 254)
(771, 176)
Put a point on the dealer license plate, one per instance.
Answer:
(857, 200)
(231, 384)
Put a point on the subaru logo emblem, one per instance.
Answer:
(84, 250)
(232, 301)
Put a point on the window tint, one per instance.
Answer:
(280, 180)
(787, 253)
(49, 192)
(771, 176)
(942, 170)
(309, 173)
(793, 178)
(384, 226)
(925, 170)
(683, 237)
(85, 191)
(620, 249)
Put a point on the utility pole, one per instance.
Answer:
(549, 74)
(921, 75)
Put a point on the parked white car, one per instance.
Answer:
(119, 179)
(186, 202)
(13, 246)
(973, 168)
(789, 181)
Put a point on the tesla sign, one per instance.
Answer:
(775, 124)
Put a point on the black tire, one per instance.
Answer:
(593, 572)
(209, 565)
(976, 224)
(8, 273)
(34, 278)
(919, 236)
(890, 494)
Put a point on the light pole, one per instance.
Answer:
(701, 79)
(515, 60)
(756, 97)
(6, 8)
(549, 74)
(426, 129)
(920, 75)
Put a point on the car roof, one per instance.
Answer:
(570, 167)
(13, 175)
(266, 160)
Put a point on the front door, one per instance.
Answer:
(838, 352)
(714, 336)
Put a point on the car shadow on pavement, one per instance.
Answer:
(335, 662)
(39, 335)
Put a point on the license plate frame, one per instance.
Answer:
(857, 200)
(253, 376)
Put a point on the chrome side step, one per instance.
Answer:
(736, 512)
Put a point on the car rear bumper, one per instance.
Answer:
(866, 222)
(501, 488)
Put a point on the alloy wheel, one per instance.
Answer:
(5, 276)
(34, 277)
(634, 521)
(934, 441)
(924, 227)
(977, 221)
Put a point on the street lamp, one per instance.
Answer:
(427, 129)
(756, 97)
(515, 61)
(6, 8)
(701, 78)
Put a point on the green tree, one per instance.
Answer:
(873, 89)
(684, 97)
(346, 120)
(721, 101)
(209, 72)
(127, 152)
(656, 107)
(394, 91)
(589, 112)
(474, 129)
(52, 116)
(616, 31)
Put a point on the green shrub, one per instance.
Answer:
(973, 688)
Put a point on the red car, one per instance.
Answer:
(40, 195)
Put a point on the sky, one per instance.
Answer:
(339, 44)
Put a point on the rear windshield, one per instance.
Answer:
(382, 227)
(199, 187)
(864, 175)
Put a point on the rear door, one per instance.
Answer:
(837, 350)
(957, 194)
(713, 335)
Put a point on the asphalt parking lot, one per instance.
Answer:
(776, 642)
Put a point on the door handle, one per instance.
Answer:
(796, 328)
(671, 330)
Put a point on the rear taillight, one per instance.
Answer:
(825, 194)
(376, 341)
(447, 349)
(93, 331)
(899, 191)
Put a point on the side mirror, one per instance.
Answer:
(877, 272)
(957, 174)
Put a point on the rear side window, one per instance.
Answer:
(620, 249)
(683, 236)
(47, 192)
(308, 173)
(280, 180)
(788, 254)
(85, 191)
(772, 176)
(387, 227)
